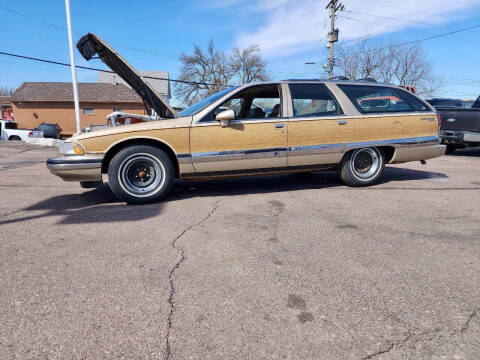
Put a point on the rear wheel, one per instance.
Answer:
(362, 167)
(141, 174)
(14, 137)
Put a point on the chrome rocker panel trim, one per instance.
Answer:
(77, 167)
(406, 149)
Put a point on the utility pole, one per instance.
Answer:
(334, 6)
(74, 70)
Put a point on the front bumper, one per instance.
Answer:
(77, 167)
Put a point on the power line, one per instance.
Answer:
(381, 23)
(60, 27)
(418, 40)
(106, 71)
(395, 19)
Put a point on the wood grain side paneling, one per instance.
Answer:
(237, 136)
(176, 138)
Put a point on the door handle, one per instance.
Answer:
(279, 126)
(342, 122)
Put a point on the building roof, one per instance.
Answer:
(63, 91)
(5, 100)
(162, 87)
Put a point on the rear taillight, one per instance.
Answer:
(30, 134)
(439, 121)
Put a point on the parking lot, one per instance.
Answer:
(289, 266)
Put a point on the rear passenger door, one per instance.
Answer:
(316, 133)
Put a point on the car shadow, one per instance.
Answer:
(471, 151)
(95, 206)
(101, 206)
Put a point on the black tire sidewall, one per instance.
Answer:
(350, 179)
(115, 165)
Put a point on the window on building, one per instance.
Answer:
(313, 100)
(88, 111)
(117, 110)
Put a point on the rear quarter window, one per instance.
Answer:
(382, 99)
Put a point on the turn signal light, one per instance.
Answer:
(77, 149)
(439, 121)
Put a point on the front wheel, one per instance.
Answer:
(141, 174)
(362, 167)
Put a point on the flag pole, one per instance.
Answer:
(74, 71)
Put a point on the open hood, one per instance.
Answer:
(476, 105)
(90, 45)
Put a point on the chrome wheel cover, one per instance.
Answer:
(365, 163)
(141, 175)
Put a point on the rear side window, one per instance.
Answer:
(382, 99)
(313, 100)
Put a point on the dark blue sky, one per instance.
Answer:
(289, 33)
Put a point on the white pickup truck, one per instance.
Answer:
(9, 131)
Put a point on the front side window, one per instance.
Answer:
(258, 102)
(313, 100)
(381, 99)
(196, 108)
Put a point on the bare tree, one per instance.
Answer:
(206, 72)
(247, 64)
(6, 91)
(390, 63)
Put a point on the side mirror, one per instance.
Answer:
(224, 117)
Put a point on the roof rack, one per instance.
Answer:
(366, 79)
(339, 78)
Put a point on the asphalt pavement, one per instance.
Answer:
(282, 267)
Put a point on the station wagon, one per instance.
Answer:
(259, 128)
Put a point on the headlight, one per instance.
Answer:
(68, 148)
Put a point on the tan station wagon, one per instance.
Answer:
(260, 128)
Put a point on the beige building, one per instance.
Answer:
(52, 102)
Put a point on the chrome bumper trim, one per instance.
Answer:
(416, 153)
(77, 167)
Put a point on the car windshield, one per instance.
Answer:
(196, 108)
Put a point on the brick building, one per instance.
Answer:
(6, 111)
(37, 102)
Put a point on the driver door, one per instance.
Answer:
(255, 141)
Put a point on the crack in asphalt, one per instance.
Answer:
(469, 319)
(425, 335)
(383, 351)
(172, 271)
(11, 213)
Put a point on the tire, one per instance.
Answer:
(14, 137)
(362, 167)
(141, 174)
(451, 149)
(91, 184)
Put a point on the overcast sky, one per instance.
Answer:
(151, 34)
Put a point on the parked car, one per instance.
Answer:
(9, 131)
(320, 125)
(50, 130)
(460, 125)
(456, 103)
